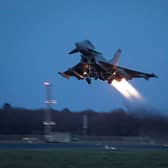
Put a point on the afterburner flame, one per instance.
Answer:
(126, 89)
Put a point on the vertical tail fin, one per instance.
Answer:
(116, 57)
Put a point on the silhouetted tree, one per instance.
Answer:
(115, 123)
(6, 106)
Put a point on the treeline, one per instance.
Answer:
(114, 123)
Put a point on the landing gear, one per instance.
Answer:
(88, 74)
(88, 80)
(110, 81)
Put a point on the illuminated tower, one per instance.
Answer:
(48, 123)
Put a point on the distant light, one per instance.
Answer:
(50, 102)
(49, 123)
(46, 83)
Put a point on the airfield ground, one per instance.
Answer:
(86, 153)
(70, 158)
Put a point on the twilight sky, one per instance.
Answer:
(36, 36)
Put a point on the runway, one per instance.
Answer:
(55, 146)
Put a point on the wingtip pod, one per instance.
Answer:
(154, 75)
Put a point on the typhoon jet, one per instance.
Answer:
(94, 66)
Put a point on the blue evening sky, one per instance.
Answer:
(36, 36)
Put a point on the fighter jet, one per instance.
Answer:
(94, 65)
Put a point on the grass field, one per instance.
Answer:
(83, 159)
